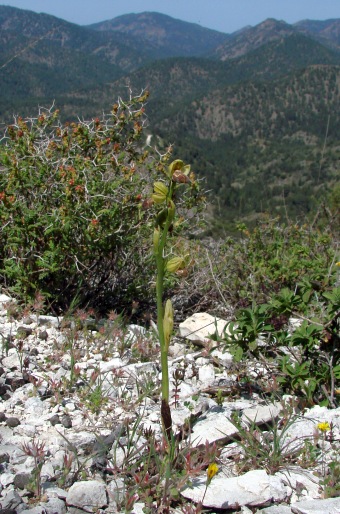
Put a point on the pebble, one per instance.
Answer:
(12, 422)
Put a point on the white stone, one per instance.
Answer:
(35, 406)
(5, 299)
(55, 506)
(140, 369)
(215, 426)
(118, 456)
(89, 496)
(111, 365)
(224, 357)
(177, 350)
(328, 506)
(179, 416)
(186, 391)
(137, 330)
(206, 374)
(116, 490)
(276, 509)
(201, 326)
(51, 490)
(26, 429)
(83, 440)
(253, 489)
(47, 471)
(70, 407)
(39, 509)
(138, 508)
(10, 500)
(77, 419)
(50, 321)
(303, 484)
(12, 360)
(6, 479)
(305, 427)
(261, 413)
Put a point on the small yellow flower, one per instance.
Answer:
(337, 264)
(211, 471)
(324, 426)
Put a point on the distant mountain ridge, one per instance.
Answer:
(172, 37)
(252, 38)
(326, 32)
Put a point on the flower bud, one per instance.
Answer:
(171, 210)
(160, 192)
(160, 188)
(174, 264)
(168, 323)
(156, 236)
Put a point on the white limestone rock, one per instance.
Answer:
(200, 327)
(138, 508)
(261, 414)
(305, 427)
(6, 479)
(111, 365)
(206, 374)
(87, 495)
(12, 360)
(328, 506)
(55, 506)
(5, 299)
(275, 509)
(302, 483)
(214, 426)
(253, 489)
(49, 321)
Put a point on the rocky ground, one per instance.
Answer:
(80, 400)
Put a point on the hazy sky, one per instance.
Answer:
(223, 15)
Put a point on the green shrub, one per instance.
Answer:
(73, 222)
(304, 360)
(267, 259)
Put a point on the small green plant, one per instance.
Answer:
(331, 481)
(36, 450)
(147, 473)
(323, 427)
(64, 476)
(268, 446)
(94, 394)
(219, 397)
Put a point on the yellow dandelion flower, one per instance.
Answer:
(324, 426)
(211, 471)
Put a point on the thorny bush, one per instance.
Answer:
(75, 220)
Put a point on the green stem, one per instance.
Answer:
(165, 410)
(160, 316)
